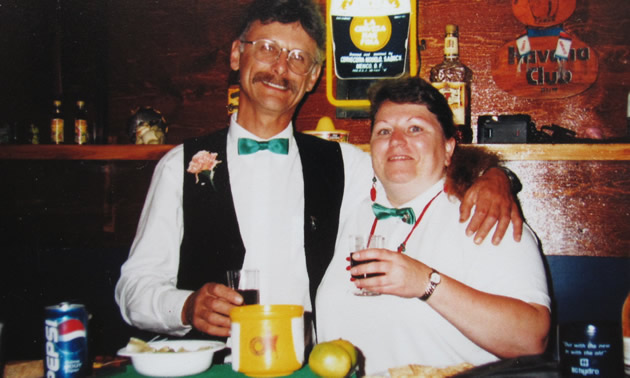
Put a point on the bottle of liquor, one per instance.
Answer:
(81, 135)
(452, 79)
(56, 124)
(5, 133)
(33, 134)
(625, 326)
(233, 92)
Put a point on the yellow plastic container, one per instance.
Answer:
(267, 340)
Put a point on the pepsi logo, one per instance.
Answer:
(72, 337)
(71, 329)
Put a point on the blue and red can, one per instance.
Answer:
(65, 328)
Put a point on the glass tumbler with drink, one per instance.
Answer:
(357, 244)
(245, 281)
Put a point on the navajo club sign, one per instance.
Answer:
(544, 61)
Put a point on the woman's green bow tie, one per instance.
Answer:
(406, 213)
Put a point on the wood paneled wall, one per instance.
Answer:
(577, 208)
(174, 56)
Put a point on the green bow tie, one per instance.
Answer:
(406, 213)
(249, 146)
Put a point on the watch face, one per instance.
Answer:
(435, 278)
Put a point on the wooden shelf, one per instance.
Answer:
(509, 152)
(85, 152)
(561, 151)
(154, 152)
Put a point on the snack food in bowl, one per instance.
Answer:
(171, 358)
(423, 371)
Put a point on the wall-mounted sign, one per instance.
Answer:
(543, 13)
(370, 38)
(545, 61)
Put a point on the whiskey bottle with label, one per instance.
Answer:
(233, 92)
(452, 79)
(32, 136)
(57, 124)
(81, 135)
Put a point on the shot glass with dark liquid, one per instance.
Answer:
(250, 296)
(245, 281)
(357, 244)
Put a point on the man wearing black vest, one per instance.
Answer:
(269, 198)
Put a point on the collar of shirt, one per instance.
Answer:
(417, 204)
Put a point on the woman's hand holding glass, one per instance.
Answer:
(357, 244)
(398, 274)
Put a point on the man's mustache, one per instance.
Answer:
(270, 78)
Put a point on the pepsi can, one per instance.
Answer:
(65, 328)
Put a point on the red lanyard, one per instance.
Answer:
(403, 245)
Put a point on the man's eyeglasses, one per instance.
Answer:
(265, 51)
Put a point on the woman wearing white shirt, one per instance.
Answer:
(445, 300)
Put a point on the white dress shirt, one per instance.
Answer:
(268, 192)
(392, 331)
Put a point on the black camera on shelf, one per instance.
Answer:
(519, 128)
(511, 128)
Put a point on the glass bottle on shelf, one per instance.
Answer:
(6, 132)
(57, 124)
(81, 135)
(233, 92)
(32, 134)
(452, 78)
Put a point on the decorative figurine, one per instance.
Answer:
(147, 126)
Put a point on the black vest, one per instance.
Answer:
(212, 241)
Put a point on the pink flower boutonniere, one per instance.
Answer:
(203, 163)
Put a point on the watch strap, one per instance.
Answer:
(515, 183)
(431, 286)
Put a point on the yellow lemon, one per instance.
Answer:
(349, 347)
(329, 360)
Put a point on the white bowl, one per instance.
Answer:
(175, 364)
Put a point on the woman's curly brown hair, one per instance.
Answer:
(467, 164)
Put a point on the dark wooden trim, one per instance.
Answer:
(508, 152)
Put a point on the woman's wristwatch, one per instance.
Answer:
(515, 183)
(434, 281)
